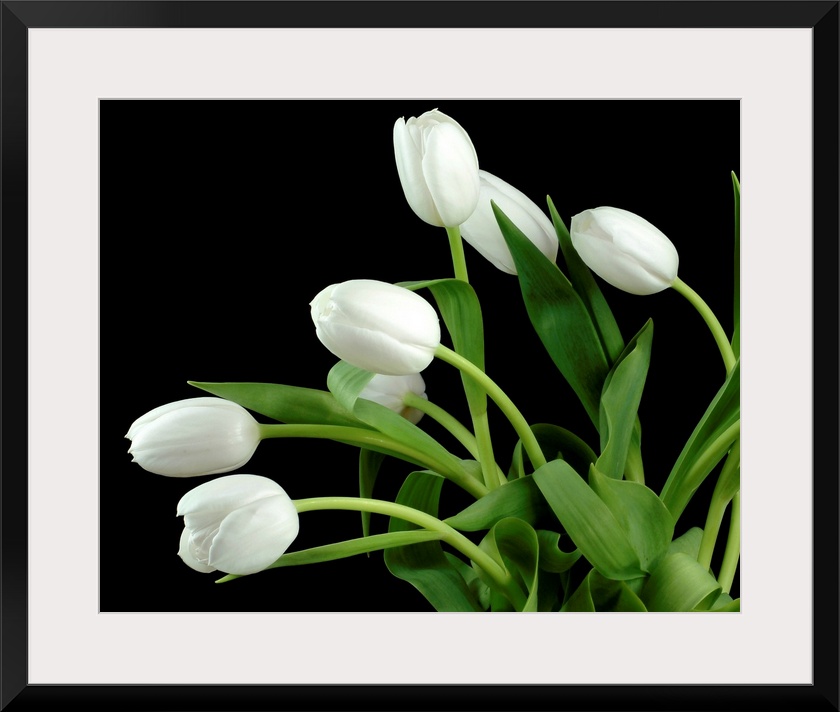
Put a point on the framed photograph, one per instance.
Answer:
(181, 179)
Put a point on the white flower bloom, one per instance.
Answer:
(390, 391)
(438, 168)
(239, 524)
(192, 437)
(481, 230)
(377, 326)
(625, 250)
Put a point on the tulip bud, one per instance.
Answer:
(192, 437)
(481, 230)
(377, 326)
(438, 168)
(390, 391)
(239, 524)
(625, 250)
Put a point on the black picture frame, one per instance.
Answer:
(18, 17)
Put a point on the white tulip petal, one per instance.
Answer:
(376, 326)
(374, 350)
(187, 557)
(481, 230)
(450, 167)
(192, 437)
(407, 142)
(254, 536)
(155, 413)
(625, 250)
(371, 304)
(438, 168)
(390, 391)
(215, 496)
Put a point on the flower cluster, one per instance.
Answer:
(556, 485)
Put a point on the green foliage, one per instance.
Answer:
(559, 317)
(286, 404)
(587, 288)
(515, 543)
(346, 382)
(521, 499)
(704, 447)
(620, 400)
(425, 565)
(588, 521)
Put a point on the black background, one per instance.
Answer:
(220, 220)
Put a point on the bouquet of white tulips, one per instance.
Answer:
(561, 522)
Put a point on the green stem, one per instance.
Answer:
(711, 321)
(450, 423)
(517, 420)
(454, 538)
(725, 490)
(486, 457)
(374, 440)
(456, 247)
(733, 547)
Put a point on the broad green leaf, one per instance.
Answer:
(286, 404)
(552, 557)
(688, 543)
(559, 317)
(691, 467)
(517, 462)
(588, 521)
(601, 595)
(729, 482)
(515, 542)
(480, 589)
(736, 336)
(424, 565)
(520, 498)
(680, 584)
(461, 312)
(620, 401)
(588, 290)
(369, 464)
(602, 319)
(634, 467)
(346, 382)
(645, 521)
(725, 604)
(551, 593)
(557, 442)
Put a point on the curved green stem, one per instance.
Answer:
(374, 440)
(454, 538)
(456, 247)
(711, 320)
(451, 424)
(517, 420)
(448, 421)
(733, 547)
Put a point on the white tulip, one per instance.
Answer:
(239, 524)
(481, 230)
(438, 168)
(390, 391)
(625, 250)
(377, 326)
(192, 437)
